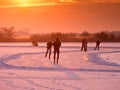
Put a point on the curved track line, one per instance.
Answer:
(91, 57)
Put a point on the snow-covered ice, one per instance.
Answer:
(24, 67)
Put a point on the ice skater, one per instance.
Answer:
(34, 43)
(57, 45)
(49, 47)
(97, 45)
(84, 45)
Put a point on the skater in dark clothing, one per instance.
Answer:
(57, 45)
(84, 45)
(34, 43)
(49, 46)
(97, 45)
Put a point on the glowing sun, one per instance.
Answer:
(23, 2)
(31, 3)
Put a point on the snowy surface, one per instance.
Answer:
(24, 67)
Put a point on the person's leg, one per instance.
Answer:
(82, 48)
(54, 55)
(46, 53)
(85, 48)
(49, 53)
(95, 47)
(98, 47)
(58, 52)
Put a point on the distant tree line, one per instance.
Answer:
(77, 37)
(9, 35)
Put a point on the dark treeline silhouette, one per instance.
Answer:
(77, 37)
(65, 37)
(9, 35)
(113, 36)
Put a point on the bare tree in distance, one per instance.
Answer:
(7, 34)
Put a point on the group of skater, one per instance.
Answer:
(57, 44)
(84, 45)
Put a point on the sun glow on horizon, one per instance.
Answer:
(33, 3)
(36, 3)
(29, 3)
(22, 2)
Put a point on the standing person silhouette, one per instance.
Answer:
(49, 46)
(84, 45)
(57, 45)
(97, 44)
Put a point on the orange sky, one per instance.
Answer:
(45, 16)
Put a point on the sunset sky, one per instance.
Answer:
(46, 16)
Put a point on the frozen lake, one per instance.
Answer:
(24, 67)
